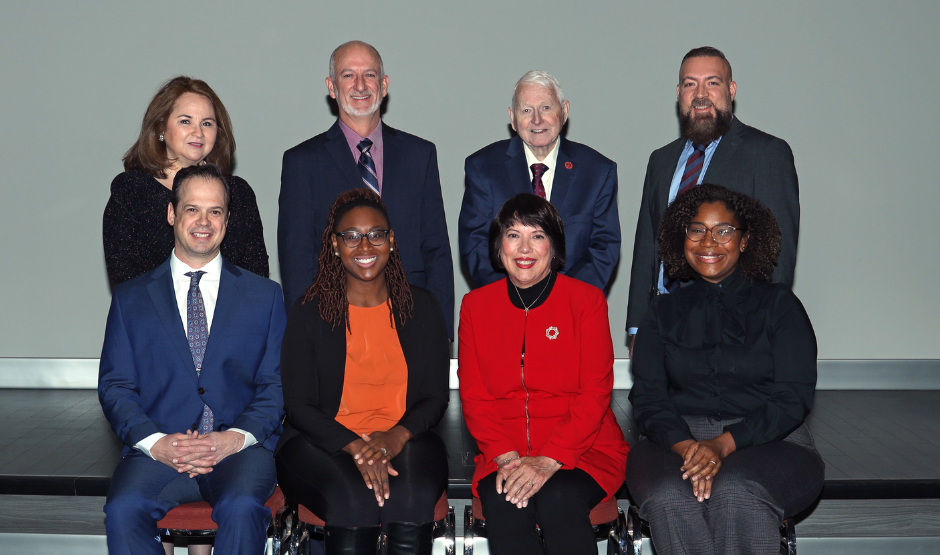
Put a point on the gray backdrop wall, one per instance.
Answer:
(852, 85)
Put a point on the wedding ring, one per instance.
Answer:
(530, 483)
(382, 449)
(713, 462)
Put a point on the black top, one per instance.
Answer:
(533, 296)
(313, 366)
(728, 350)
(138, 238)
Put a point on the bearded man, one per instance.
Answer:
(359, 150)
(715, 147)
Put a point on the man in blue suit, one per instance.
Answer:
(359, 150)
(579, 181)
(190, 382)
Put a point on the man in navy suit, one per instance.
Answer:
(359, 150)
(190, 381)
(579, 181)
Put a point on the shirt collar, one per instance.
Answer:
(179, 268)
(549, 160)
(353, 138)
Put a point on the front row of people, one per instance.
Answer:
(724, 379)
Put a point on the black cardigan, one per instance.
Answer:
(313, 365)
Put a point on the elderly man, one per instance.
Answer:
(190, 381)
(715, 147)
(579, 181)
(361, 151)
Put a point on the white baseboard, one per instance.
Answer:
(845, 374)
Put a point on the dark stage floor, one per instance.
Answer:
(57, 442)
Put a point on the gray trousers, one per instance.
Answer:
(755, 490)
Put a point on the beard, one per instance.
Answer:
(376, 102)
(705, 130)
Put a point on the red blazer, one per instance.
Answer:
(568, 380)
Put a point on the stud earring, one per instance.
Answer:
(391, 249)
(161, 137)
(336, 253)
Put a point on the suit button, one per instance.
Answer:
(716, 394)
(195, 426)
(201, 391)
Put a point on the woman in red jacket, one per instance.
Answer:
(536, 373)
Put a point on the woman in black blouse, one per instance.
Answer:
(725, 371)
(185, 124)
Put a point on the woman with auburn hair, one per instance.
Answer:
(184, 124)
(365, 367)
(724, 377)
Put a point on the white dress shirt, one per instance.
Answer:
(551, 161)
(209, 287)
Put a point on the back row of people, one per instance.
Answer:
(351, 411)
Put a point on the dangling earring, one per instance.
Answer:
(336, 253)
(161, 137)
(391, 249)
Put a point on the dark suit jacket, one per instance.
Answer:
(318, 169)
(313, 362)
(147, 382)
(748, 161)
(585, 195)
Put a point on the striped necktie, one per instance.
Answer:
(693, 169)
(197, 332)
(367, 166)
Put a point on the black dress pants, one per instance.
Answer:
(332, 487)
(561, 508)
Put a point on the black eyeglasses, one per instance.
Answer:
(720, 233)
(352, 238)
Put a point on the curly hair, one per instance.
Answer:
(763, 234)
(330, 283)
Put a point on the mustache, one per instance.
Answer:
(702, 103)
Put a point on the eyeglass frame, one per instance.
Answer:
(711, 230)
(342, 234)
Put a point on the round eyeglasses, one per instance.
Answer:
(352, 238)
(720, 233)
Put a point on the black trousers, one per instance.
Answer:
(332, 487)
(755, 489)
(561, 508)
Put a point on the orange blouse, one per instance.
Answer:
(376, 377)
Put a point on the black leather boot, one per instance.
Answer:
(408, 538)
(362, 540)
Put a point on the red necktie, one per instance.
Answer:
(693, 169)
(538, 170)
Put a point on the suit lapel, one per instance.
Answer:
(517, 169)
(164, 301)
(564, 176)
(339, 150)
(725, 152)
(391, 160)
(226, 306)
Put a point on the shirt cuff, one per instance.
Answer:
(146, 444)
(249, 438)
(632, 331)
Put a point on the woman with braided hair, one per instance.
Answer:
(365, 368)
(724, 376)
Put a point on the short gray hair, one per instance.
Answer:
(350, 43)
(542, 78)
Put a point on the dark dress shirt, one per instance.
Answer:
(138, 238)
(734, 349)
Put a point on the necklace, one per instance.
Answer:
(526, 308)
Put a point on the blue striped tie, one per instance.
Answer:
(197, 332)
(367, 166)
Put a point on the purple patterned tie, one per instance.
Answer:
(538, 170)
(197, 331)
(367, 166)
